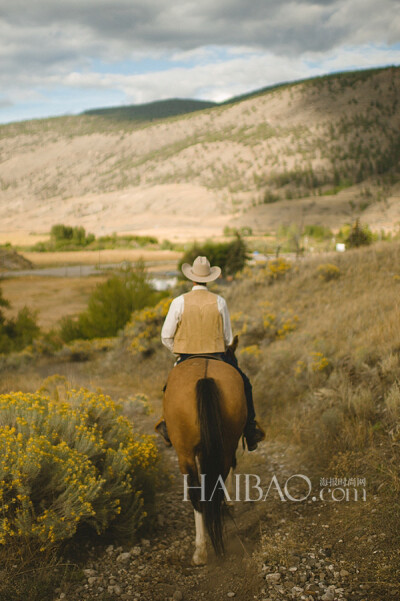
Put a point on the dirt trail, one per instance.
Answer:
(161, 568)
(275, 550)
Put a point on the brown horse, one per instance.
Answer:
(205, 412)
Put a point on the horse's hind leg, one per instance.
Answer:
(200, 553)
(191, 467)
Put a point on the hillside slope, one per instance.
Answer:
(332, 142)
(13, 261)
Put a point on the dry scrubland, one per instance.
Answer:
(324, 353)
(320, 339)
(320, 151)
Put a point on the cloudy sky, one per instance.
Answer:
(64, 56)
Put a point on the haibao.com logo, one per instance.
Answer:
(296, 488)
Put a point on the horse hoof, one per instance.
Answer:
(199, 557)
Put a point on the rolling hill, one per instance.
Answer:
(321, 151)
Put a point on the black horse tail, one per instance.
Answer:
(211, 459)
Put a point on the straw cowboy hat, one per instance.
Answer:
(201, 271)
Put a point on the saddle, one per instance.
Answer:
(196, 356)
(202, 356)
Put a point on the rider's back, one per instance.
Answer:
(201, 328)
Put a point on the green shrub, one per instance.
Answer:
(270, 197)
(245, 230)
(61, 233)
(67, 464)
(111, 305)
(360, 235)
(66, 237)
(16, 334)
(319, 232)
(3, 301)
(230, 256)
(125, 241)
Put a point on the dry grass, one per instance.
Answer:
(331, 385)
(103, 257)
(52, 298)
(28, 573)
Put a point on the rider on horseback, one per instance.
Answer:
(198, 323)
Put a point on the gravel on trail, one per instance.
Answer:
(272, 553)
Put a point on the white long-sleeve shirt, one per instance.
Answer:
(174, 316)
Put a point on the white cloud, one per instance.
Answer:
(222, 80)
(226, 47)
(357, 57)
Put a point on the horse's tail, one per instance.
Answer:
(211, 458)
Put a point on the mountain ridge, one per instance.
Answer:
(149, 111)
(171, 107)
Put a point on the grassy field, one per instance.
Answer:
(102, 257)
(53, 298)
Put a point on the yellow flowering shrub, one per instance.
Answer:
(249, 357)
(82, 350)
(144, 327)
(319, 362)
(274, 269)
(328, 271)
(278, 268)
(251, 351)
(65, 464)
(315, 363)
(278, 325)
(265, 324)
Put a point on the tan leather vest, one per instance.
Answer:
(201, 328)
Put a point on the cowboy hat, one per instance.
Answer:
(201, 271)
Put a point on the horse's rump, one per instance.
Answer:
(180, 403)
(205, 411)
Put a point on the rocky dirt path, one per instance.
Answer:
(275, 550)
(159, 568)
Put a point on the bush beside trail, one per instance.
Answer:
(71, 464)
